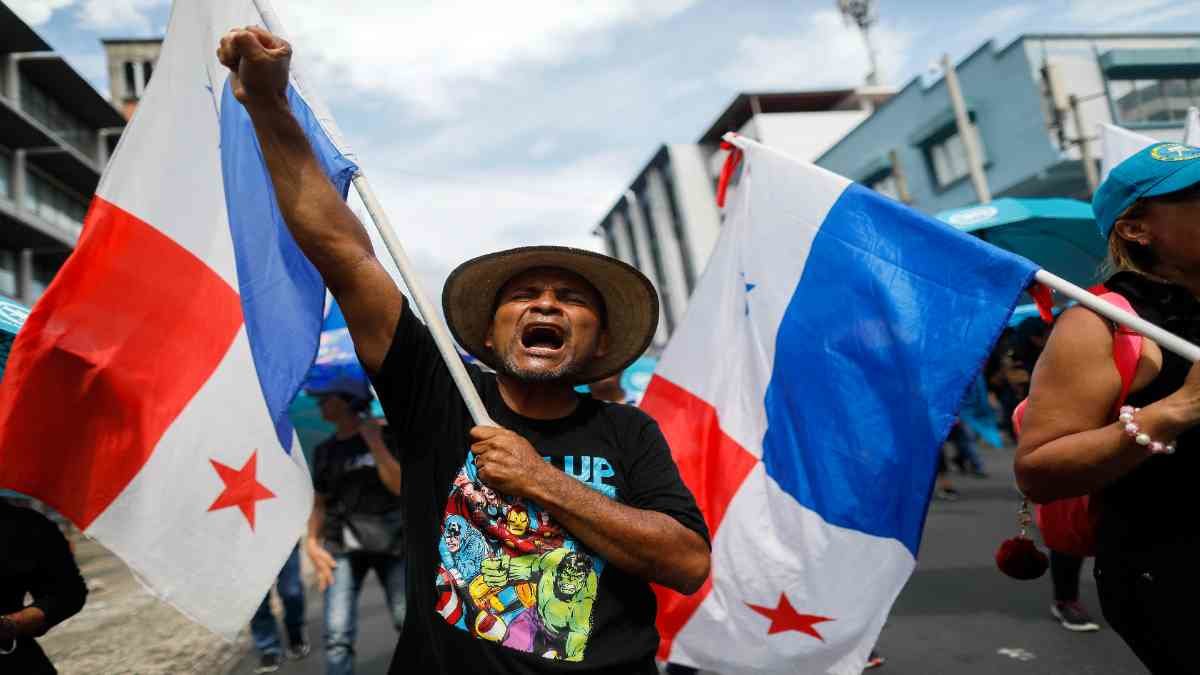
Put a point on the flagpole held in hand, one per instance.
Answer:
(433, 318)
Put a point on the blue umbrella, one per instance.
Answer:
(336, 368)
(12, 317)
(1058, 234)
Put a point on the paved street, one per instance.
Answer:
(958, 614)
(376, 637)
(958, 611)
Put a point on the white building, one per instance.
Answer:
(665, 223)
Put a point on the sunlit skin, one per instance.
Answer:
(1070, 445)
(651, 545)
(547, 325)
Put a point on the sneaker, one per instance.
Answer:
(874, 661)
(947, 494)
(1073, 617)
(299, 649)
(268, 663)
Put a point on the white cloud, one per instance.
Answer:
(126, 15)
(433, 54)
(444, 220)
(36, 12)
(824, 52)
(1095, 13)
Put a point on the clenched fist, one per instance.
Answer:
(507, 462)
(495, 571)
(259, 63)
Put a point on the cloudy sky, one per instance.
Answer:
(486, 125)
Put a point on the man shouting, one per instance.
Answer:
(598, 508)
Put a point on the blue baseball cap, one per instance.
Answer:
(1160, 169)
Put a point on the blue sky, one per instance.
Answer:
(486, 125)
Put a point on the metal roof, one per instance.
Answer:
(741, 109)
(16, 35)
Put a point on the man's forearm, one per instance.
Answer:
(323, 226)
(388, 467)
(316, 519)
(27, 623)
(647, 544)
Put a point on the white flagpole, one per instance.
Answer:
(1164, 338)
(433, 319)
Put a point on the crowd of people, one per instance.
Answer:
(494, 555)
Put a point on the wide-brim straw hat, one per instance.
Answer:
(630, 302)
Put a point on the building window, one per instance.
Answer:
(5, 175)
(1154, 101)
(8, 273)
(147, 71)
(886, 185)
(131, 86)
(52, 203)
(948, 157)
(55, 117)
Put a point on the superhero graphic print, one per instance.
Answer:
(509, 574)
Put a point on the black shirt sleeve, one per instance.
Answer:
(415, 388)
(654, 482)
(322, 480)
(57, 586)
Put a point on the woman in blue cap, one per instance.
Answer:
(1139, 457)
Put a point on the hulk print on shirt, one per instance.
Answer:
(510, 574)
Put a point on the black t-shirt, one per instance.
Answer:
(360, 512)
(559, 607)
(35, 559)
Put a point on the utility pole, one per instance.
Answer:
(966, 132)
(863, 13)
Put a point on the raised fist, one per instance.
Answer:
(259, 62)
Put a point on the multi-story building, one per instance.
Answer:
(56, 134)
(666, 222)
(1022, 101)
(1018, 99)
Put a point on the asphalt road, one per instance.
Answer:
(958, 614)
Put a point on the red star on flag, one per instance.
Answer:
(784, 618)
(242, 489)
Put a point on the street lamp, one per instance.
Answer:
(862, 13)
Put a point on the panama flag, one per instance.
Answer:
(805, 397)
(146, 395)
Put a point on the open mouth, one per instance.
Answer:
(542, 337)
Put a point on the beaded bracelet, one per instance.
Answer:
(1135, 432)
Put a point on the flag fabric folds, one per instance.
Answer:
(1120, 144)
(806, 395)
(146, 395)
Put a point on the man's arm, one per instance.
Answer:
(647, 544)
(58, 588)
(387, 465)
(323, 563)
(323, 226)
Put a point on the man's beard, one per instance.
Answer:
(562, 371)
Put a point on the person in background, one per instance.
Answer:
(35, 559)
(356, 524)
(610, 389)
(1138, 463)
(263, 629)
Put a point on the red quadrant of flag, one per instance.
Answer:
(131, 328)
(711, 464)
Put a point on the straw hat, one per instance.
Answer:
(631, 304)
